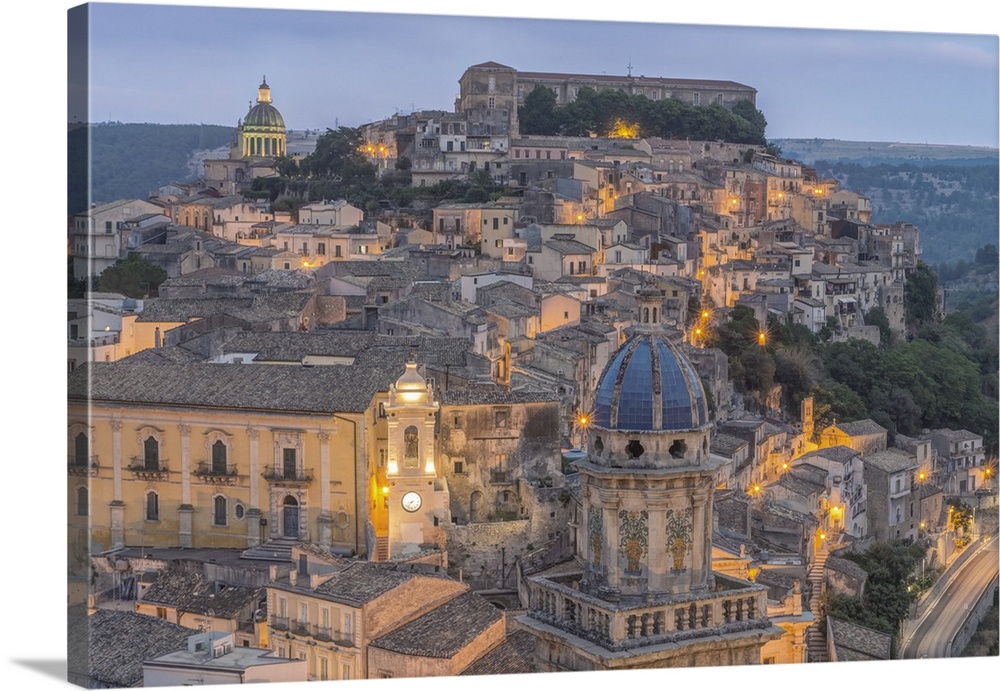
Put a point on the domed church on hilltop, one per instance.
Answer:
(260, 138)
(640, 591)
(261, 133)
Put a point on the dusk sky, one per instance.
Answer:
(172, 64)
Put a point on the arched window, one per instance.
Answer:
(219, 511)
(218, 458)
(645, 315)
(81, 450)
(152, 506)
(151, 453)
(654, 315)
(82, 501)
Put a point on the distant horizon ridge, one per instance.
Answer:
(983, 147)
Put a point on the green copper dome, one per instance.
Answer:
(264, 115)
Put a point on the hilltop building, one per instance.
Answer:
(260, 138)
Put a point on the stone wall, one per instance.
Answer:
(330, 309)
(479, 550)
(486, 449)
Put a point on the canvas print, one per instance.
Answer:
(397, 352)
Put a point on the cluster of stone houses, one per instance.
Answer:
(341, 445)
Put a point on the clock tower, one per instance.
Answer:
(417, 499)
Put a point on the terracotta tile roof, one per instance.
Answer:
(727, 444)
(859, 427)
(846, 566)
(640, 80)
(890, 461)
(251, 308)
(361, 583)
(192, 592)
(516, 655)
(332, 388)
(117, 642)
(445, 630)
(491, 395)
(853, 642)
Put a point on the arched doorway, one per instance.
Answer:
(290, 517)
(476, 507)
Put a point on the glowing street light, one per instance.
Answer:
(761, 338)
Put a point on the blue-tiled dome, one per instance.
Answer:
(649, 385)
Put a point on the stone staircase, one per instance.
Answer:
(278, 549)
(816, 634)
(382, 548)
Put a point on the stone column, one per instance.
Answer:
(701, 554)
(117, 505)
(186, 510)
(325, 536)
(254, 513)
(658, 558)
(611, 555)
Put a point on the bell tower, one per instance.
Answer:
(417, 500)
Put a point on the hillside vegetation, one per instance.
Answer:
(954, 205)
(131, 160)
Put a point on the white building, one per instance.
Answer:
(211, 658)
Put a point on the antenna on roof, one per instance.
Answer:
(629, 65)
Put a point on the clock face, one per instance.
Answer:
(411, 501)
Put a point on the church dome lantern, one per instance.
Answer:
(262, 132)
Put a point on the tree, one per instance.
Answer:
(133, 277)
(921, 296)
(538, 114)
(746, 110)
(338, 155)
(876, 317)
(286, 166)
(987, 257)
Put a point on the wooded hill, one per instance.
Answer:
(132, 160)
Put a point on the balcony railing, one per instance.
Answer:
(216, 472)
(148, 468)
(287, 476)
(740, 607)
(83, 465)
(304, 629)
(501, 477)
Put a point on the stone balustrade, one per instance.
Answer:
(623, 625)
